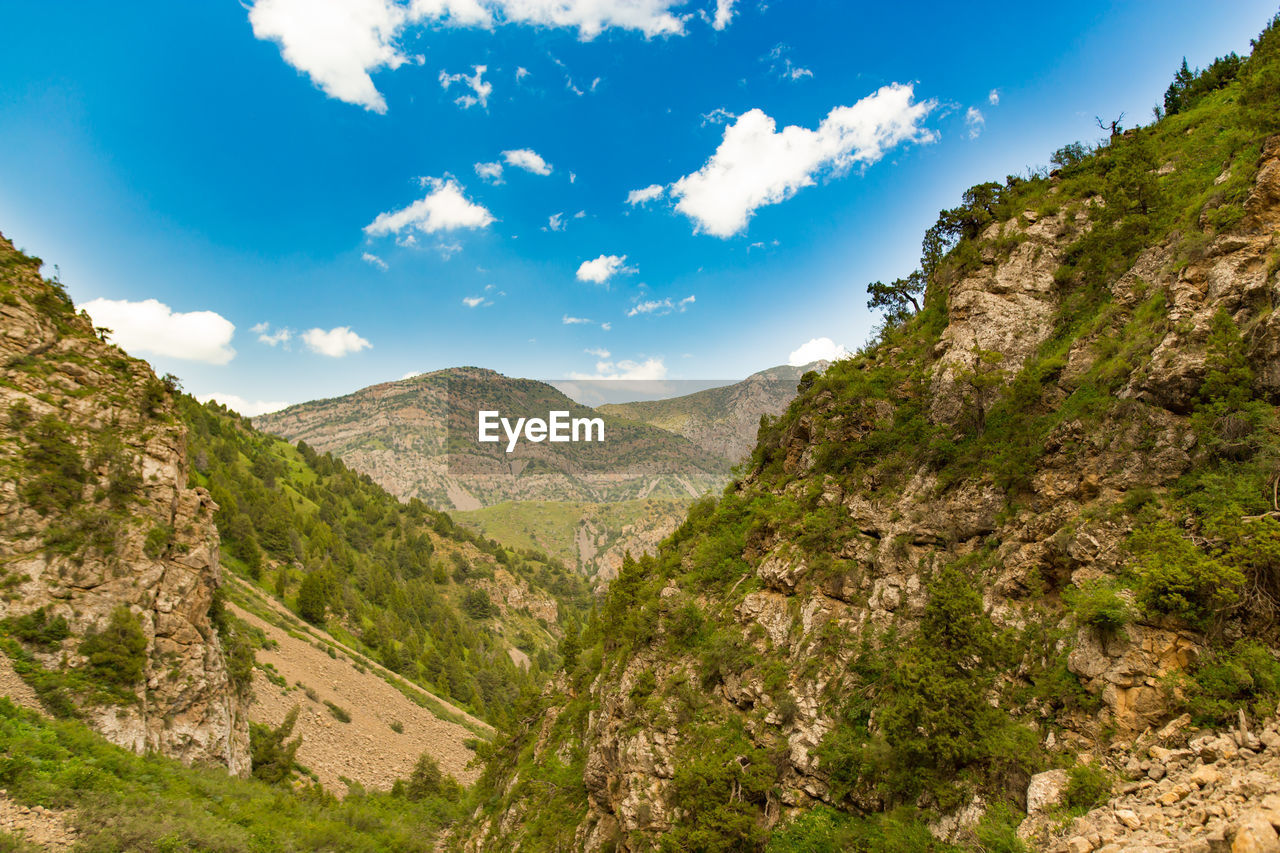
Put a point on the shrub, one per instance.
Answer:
(38, 629)
(397, 727)
(1088, 785)
(1245, 676)
(1177, 578)
(1097, 603)
(118, 653)
(340, 714)
(158, 540)
(312, 600)
(271, 750)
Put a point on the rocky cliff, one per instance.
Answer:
(1033, 522)
(108, 561)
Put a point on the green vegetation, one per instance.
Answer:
(939, 706)
(117, 654)
(151, 804)
(1088, 786)
(345, 555)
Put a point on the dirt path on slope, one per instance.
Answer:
(366, 750)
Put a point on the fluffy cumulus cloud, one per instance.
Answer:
(975, 121)
(527, 159)
(658, 307)
(150, 326)
(816, 349)
(335, 342)
(480, 89)
(646, 195)
(993, 97)
(339, 44)
(248, 408)
(758, 165)
(444, 208)
(603, 268)
(650, 369)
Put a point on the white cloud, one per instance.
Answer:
(250, 409)
(603, 268)
(658, 307)
(270, 338)
(521, 73)
(153, 327)
(374, 260)
(724, 14)
(598, 352)
(975, 121)
(993, 97)
(445, 208)
(575, 321)
(555, 222)
(648, 370)
(337, 43)
(491, 172)
(475, 301)
(606, 326)
(340, 43)
(475, 82)
(816, 349)
(527, 159)
(645, 195)
(411, 374)
(588, 17)
(335, 343)
(757, 165)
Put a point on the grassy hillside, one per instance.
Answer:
(120, 801)
(590, 537)
(880, 621)
(401, 583)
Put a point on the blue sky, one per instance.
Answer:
(303, 164)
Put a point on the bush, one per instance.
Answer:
(37, 629)
(1097, 603)
(340, 714)
(158, 540)
(118, 653)
(1088, 785)
(312, 600)
(272, 751)
(1245, 676)
(1179, 579)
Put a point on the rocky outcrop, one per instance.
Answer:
(102, 518)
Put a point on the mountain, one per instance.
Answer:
(399, 583)
(1021, 551)
(417, 438)
(723, 420)
(109, 560)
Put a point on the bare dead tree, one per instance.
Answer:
(1113, 127)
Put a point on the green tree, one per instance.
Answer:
(313, 598)
(272, 753)
(896, 296)
(118, 653)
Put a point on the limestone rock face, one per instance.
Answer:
(135, 536)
